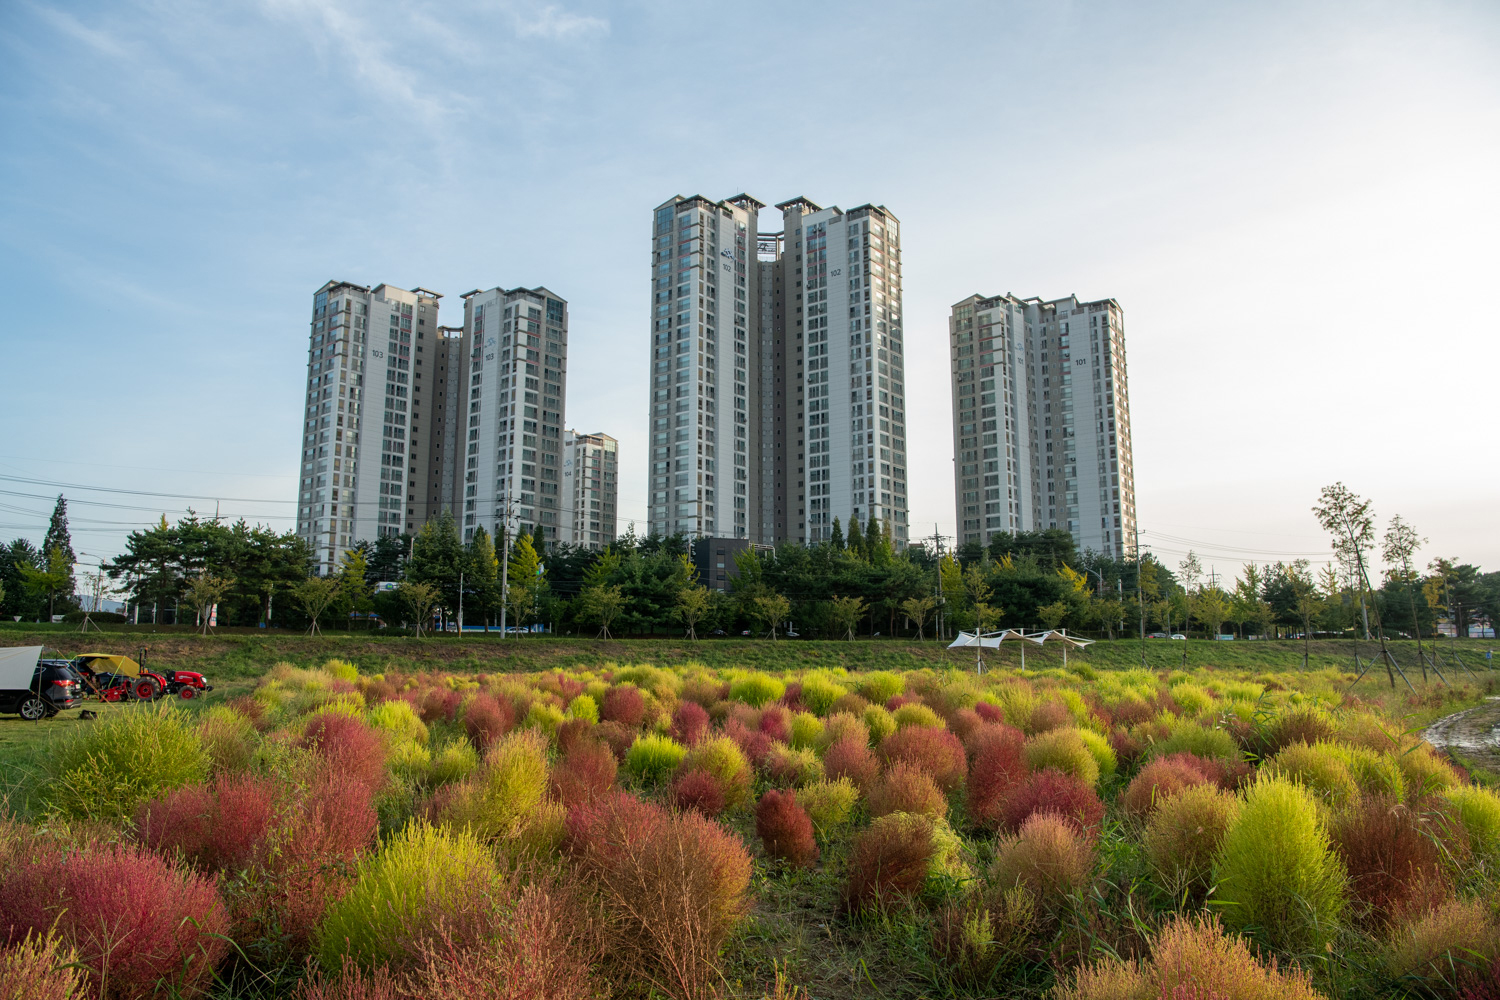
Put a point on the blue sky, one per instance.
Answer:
(1293, 202)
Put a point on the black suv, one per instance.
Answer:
(54, 687)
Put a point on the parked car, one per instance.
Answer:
(36, 688)
(1178, 635)
(1156, 635)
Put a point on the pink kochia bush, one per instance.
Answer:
(689, 723)
(852, 758)
(785, 829)
(700, 790)
(999, 765)
(586, 770)
(486, 719)
(1053, 791)
(349, 748)
(221, 827)
(625, 705)
(936, 751)
(140, 926)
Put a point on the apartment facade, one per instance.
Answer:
(1041, 420)
(778, 382)
(515, 342)
(591, 489)
(363, 464)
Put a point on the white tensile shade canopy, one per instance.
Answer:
(992, 640)
(17, 666)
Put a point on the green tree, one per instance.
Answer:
(437, 558)
(919, 610)
(1052, 615)
(836, 540)
(693, 603)
(52, 580)
(845, 613)
(354, 588)
(482, 579)
(58, 536)
(315, 595)
(601, 605)
(771, 610)
(203, 592)
(526, 579)
(420, 599)
(1214, 608)
(856, 539)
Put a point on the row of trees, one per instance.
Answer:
(854, 584)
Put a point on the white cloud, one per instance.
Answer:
(553, 22)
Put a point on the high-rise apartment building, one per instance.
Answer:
(591, 486)
(363, 465)
(516, 345)
(1041, 420)
(778, 385)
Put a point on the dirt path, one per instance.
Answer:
(1474, 734)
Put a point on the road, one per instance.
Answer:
(1474, 733)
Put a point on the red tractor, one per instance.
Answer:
(119, 678)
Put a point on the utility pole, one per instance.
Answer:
(1139, 592)
(937, 544)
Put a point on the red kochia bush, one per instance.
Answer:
(999, 766)
(852, 758)
(139, 924)
(776, 722)
(689, 723)
(570, 732)
(1053, 791)
(936, 751)
(349, 748)
(486, 719)
(585, 771)
(440, 704)
(988, 712)
(700, 790)
(1392, 854)
(752, 742)
(785, 829)
(616, 737)
(907, 789)
(964, 721)
(625, 705)
(895, 701)
(222, 827)
(251, 709)
(889, 860)
(1158, 780)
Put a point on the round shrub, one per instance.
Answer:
(889, 860)
(806, 730)
(722, 758)
(1392, 855)
(454, 762)
(839, 725)
(41, 967)
(1158, 781)
(616, 737)
(486, 719)
(1055, 792)
(916, 715)
(756, 689)
(399, 719)
(936, 751)
(1047, 856)
(1374, 773)
(819, 692)
(1192, 699)
(880, 722)
(851, 758)
(881, 686)
(700, 790)
(347, 747)
(1065, 751)
(1479, 811)
(103, 771)
(1275, 868)
(999, 765)
(1458, 933)
(1104, 753)
(776, 722)
(586, 771)
(219, 828)
(544, 717)
(1316, 768)
(495, 803)
(689, 723)
(1192, 738)
(137, 924)
(624, 704)
(785, 829)
(422, 882)
(829, 803)
(1185, 830)
(653, 757)
(1425, 773)
(1049, 715)
(229, 739)
(583, 707)
(908, 789)
(785, 766)
(1298, 724)
(753, 743)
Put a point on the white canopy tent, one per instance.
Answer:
(981, 641)
(17, 667)
(1062, 636)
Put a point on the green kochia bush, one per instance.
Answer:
(1479, 811)
(819, 692)
(423, 880)
(652, 757)
(756, 689)
(104, 770)
(1276, 871)
(1196, 739)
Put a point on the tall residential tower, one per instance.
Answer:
(363, 468)
(1041, 421)
(591, 485)
(778, 385)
